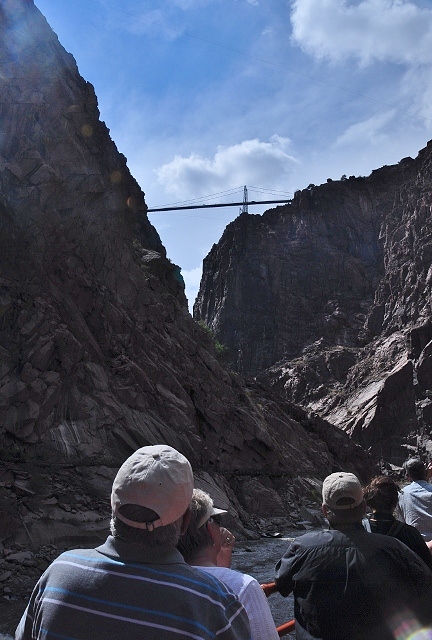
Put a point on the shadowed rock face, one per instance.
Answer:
(328, 299)
(98, 353)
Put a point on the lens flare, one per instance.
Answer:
(87, 130)
(132, 203)
(115, 177)
(405, 626)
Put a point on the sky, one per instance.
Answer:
(204, 97)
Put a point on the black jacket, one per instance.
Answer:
(354, 585)
(388, 525)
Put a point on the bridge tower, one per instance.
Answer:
(244, 208)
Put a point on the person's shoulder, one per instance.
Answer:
(210, 577)
(316, 538)
(70, 559)
(410, 530)
(215, 571)
(226, 570)
(383, 543)
(383, 540)
(244, 578)
(408, 488)
(230, 576)
(77, 553)
(410, 535)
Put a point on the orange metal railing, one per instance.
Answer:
(283, 629)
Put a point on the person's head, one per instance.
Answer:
(415, 469)
(150, 497)
(343, 501)
(203, 532)
(381, 494)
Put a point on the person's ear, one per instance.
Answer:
(324, 509)
(186, 520)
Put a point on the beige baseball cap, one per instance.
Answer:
(157, 477)
(342, 490)
(210, 511)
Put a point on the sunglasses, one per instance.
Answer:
(217, 519)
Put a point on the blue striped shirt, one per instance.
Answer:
(121, 590)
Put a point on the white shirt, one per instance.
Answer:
(252, 597)
(415, 507)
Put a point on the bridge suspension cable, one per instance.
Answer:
(244, 204)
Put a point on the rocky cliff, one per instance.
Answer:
(98, 352)
(329, 299)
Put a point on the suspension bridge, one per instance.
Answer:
(244, 204)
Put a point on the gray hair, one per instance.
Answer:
(195, 539)
(346, 516)
(415, 468)
(161, 537)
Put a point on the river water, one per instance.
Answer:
(257, 558)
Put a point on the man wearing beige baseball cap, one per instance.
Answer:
(349, 584)
(137, 584)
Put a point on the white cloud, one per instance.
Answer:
(387, 30)
(249, 162)
(417, 87)
(192, 280)
(369, 131)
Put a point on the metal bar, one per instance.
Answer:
(209, 206)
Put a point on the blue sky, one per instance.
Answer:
(205, 96)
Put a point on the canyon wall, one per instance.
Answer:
(328, 298)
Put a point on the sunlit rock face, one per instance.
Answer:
(329, 299)
(98, 352)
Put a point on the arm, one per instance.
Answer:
(21, 633)
(419, 577)
(284, 571)
(269, 588)
(421, 548)
(237, 625)
(27, 625)
(261, 620)
(225, 553)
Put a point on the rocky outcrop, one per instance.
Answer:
(98, 352)
(328, 299)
